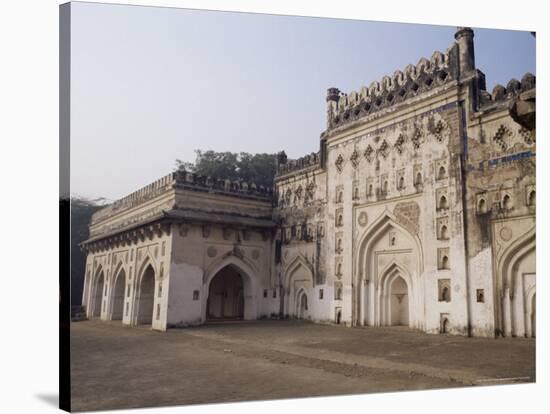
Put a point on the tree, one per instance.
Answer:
(81, 214)
(259, 168)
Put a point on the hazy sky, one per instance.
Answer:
(150, 85)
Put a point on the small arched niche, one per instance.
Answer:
(418, 179)
(442, 173)
(507, 202)
(532, 199)
(401, 184)
(444, 233)
(482, 206)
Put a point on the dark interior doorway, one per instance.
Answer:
(226, 296)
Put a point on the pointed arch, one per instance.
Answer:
(98, 286)
(385, 221)
(290, 269)
(508, 302)
(145, 294)
(243, 263)
(117, 293)
(148, 260)
(512, 254)
(368, 288)
(301, 304)
(390, 273)
(249, 279)
(117, 268)
(292, 287)
(530, 313)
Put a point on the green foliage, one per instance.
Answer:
(81, 214)
(259, 168)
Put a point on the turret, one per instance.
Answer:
(464, 37)
(333, 95)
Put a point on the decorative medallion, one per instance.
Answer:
(416, 138)
(339, 163)
(528, 136)
(383, 149)
(211, 251)
(354, 158)
(237, 251)
(310, 190)
(438, 130)
(363, 219)
(500, 137)
(368, 153)
(298, 194)
(506, 233)
(399, 144)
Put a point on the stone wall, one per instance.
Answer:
(417, 209)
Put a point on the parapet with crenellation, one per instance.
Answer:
(305, 163)
(146, 193)
(503, 95)
(185, 180)
(412, 81)
(240, 188)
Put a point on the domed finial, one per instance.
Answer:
(463, 31)
(333, 94)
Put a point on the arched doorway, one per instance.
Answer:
(226, 295)
(98, 295)
(303, 311)
(386, 275)
(118, 296)
(399, 302)
(516, 284)
(298, 283)
(146, 297)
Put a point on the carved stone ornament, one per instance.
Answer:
(211, 251)
(362, 219)
(339, 163)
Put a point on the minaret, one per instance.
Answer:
(466, 58)
(333, 95)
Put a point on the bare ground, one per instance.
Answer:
(116, 367)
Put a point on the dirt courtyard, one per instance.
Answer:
(116, 367)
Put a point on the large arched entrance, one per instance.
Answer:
(118, 296)
(98, 295)
(399, 302)
(298, 283)
(146, 297)
(386, 271)
(516, 281)
(226, 296)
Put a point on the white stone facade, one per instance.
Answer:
(418, 210)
